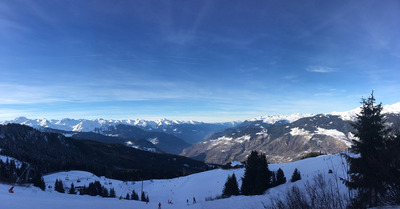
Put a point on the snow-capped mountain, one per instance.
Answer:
(285, 140)
(85, 125)
(190, 131)
(271, 119)
(352, 114)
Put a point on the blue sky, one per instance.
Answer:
(195, 60)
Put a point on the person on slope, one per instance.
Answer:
(159, 205)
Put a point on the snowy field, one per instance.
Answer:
(200, 186)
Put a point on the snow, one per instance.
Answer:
(243, 138)
(335, 134)
(153, 140)
(4, 159)
(299, 132)
(351, 115)
(264, 132)
(271, 119)
(85, 125)
(227, 140)
(394, 108)
(200, 186)
(236, 163)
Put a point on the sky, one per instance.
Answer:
(209, 60)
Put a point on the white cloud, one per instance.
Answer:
(320, 69)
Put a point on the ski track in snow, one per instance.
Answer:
(200, 186)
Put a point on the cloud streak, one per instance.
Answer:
(320, 69)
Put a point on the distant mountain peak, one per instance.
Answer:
(271, 119)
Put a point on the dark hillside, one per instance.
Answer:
(54, 152)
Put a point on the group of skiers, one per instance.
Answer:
(170, 202)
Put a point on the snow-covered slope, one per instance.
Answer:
(200, 186)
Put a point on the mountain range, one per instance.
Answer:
(282, 138)
(285, 140)
(190, 131)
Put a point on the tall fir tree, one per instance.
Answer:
(112, 192)
(143, 197)
(134, 195)
(72, 189)
(280, 177)
(231, 186)
(257, 176)
(375, 171)
(127, 197)
(38, 180)
(296, 175)
(58, 186)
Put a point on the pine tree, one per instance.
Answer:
(280, 177)
(134, 195)
(375, 172)
(231, 186)
(59, 187)
(84, 190)
(38, 180)
(112, 192)
(257, 177)
(127, 197)
(296, 175)
(143, 197)
(104, 192)
(72, 189)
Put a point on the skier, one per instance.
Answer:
(194, 200)
(187, 201)
(159, 205)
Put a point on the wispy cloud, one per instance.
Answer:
(320, 69)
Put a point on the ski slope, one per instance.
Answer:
(200, 186)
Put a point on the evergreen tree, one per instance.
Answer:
(280, 177)
(231, 186)
(143, 197)
(134, 195)
(58, 186)
(83, 191)
(147, 198)
(112, 192)
(72, 189)
(257, 177)
(127, 197)
(104, 192)
(296, 175)
(38, 180)
(374, 174)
